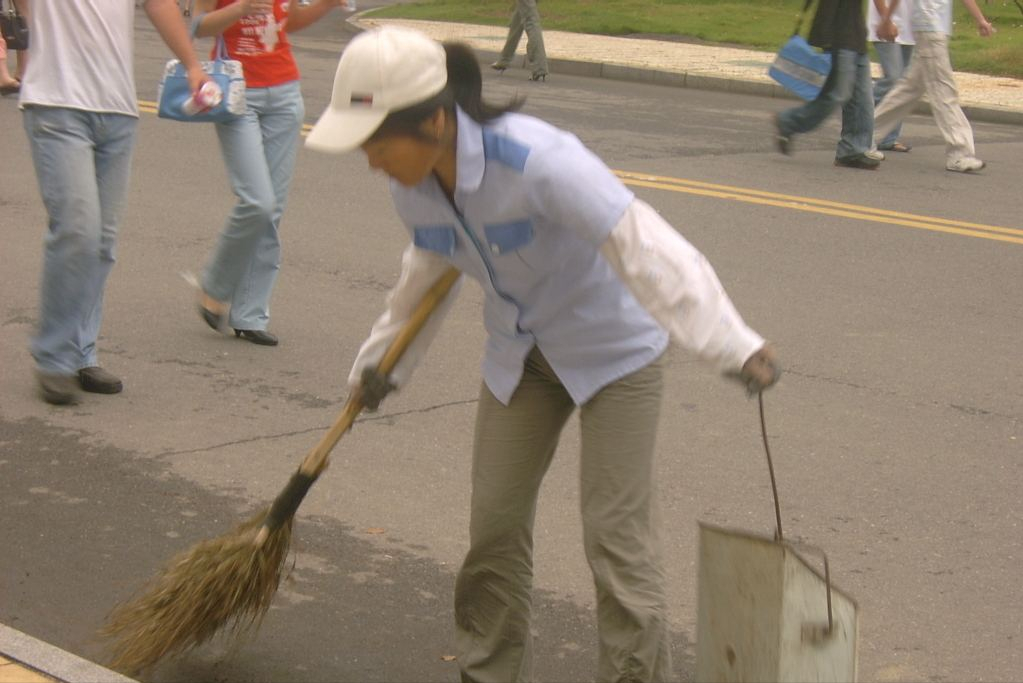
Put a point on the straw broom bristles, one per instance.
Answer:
(228, 581)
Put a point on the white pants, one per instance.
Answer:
(930, 73)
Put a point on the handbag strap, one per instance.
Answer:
(220, 50)
(221, 54)
(802, 14)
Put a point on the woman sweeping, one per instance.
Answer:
(583, 283)
(259, 151)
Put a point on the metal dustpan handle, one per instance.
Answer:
(813, 632)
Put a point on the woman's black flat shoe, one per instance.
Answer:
(539, 77)
(261, 337)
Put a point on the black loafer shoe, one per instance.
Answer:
(96, 380)
(861, 161)
(261, 337)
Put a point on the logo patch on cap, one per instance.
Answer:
(364, 100)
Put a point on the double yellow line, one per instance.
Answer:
(823, 206)
(784, 201)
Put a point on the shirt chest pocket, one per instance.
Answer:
(436, 238)
(503, 238)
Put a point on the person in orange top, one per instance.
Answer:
(259, 151)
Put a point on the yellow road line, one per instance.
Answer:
(991, 232)
(822, 206)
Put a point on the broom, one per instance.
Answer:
(231, 580)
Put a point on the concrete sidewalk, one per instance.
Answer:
(24, 659)
(691, 65)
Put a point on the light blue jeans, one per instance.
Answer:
(848, 86)
(82, 161)
(894, 58)
(259, 150)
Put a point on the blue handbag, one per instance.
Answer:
(799, 67)
(227, 73)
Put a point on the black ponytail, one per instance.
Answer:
(466, 85)
(464, 88)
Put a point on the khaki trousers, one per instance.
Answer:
(513, 448)
(930, 73)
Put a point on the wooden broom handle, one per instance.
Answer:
(317, 458)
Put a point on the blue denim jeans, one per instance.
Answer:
(82, 161)
(848, 86)
(259, 150)
(894, 58)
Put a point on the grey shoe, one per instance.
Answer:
(57, 389)
(96, 380)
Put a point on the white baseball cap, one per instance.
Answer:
(382, 70)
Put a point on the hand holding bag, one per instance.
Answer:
(799, 67)
(174, 89)
(13, 27)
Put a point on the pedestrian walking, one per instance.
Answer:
(894, 56)
(259, 151)
(525, 17)
(80, 113)
(930, 73)
(583, 285)
(838, 27)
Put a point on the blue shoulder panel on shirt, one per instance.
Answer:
(504, 150)
(436, 238)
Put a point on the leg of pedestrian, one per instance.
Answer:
(858, 114)
(513, 448)
(894, 59)
(536, 54)
(511, 43)
(943, 96)
(901, 99)
(82, 177)
(280, 125)
(621, 527)
(251, 219)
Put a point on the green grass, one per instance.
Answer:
(757, 24)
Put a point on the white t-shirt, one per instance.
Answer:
(933, 15)
(81, 56)
(901, 17)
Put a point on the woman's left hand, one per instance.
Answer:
(760, 371)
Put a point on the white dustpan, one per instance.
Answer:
(766, 614)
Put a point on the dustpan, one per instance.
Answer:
(766, 613)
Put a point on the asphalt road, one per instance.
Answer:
(895, 430)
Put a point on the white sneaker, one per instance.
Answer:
(875, 154)
(964, 165)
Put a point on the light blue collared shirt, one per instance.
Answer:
(532, 207)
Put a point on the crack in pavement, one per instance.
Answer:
(962, 408)
(297, 432)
